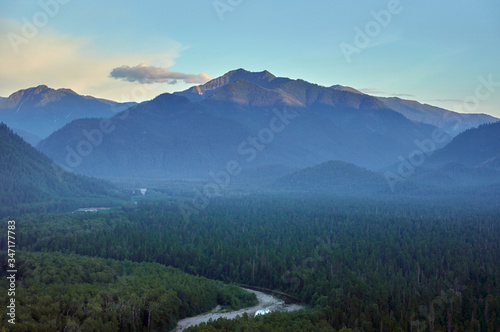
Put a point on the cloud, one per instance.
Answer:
(371, 91)
(448, 100)
(403, 95)
(145, 74)
(64, 61)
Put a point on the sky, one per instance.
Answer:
(445, 53)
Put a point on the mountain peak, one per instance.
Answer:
(345, 88)
(200, 92)
(170, 98)
(41, 110)
(259, 78)
(243, 73)
(239, 71)
(40, 88)
(67, 91)
(39, 95)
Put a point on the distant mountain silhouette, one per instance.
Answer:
(163, 138)
(28, 137)
(41, 110)
(469, 164)
(453, 175)
(29, 180)
(451, 122)
(478, 148)
(333, 177)
(253, 118)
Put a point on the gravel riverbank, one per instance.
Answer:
(265, 301)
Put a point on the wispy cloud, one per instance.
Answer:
(403, 95)
(372, 91)
(145, 74)
(448, 100)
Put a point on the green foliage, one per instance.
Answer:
(363, 265)
(310, 320)
(55, 291)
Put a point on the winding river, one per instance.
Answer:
(265, 302)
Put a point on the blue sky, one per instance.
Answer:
(436, 52)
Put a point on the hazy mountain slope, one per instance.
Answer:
(42, 110)
(329, 124)
(470, 164)
(27, 177)
(454, 174)
(451, 122)
(163, 138)
(27, 137)
(309, 94)
(249, 94)
(279, 122)
(333, 177)
(478, 147)
(332, 124)
(258, 177)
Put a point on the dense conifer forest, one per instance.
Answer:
(365, 265)
(60, 292)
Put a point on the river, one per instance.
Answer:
(265, 301)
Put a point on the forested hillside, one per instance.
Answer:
(31, 182)
(476, 147)
(57, 292)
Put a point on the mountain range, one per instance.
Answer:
(252, 118)
(452, 122)
(265, 126)
(37, 112)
